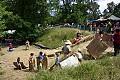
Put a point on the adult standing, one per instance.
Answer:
(116, 42)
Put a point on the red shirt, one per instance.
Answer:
(116, 38)
(10, 46)
(75, 41)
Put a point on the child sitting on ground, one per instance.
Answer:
(18, 63)
(10, 47)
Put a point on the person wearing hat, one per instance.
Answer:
(66, 49)
(31, 62)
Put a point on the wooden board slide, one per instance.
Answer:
(22, 65)
(87, 38)
(41, 46)
(96, 47)
(106, 38)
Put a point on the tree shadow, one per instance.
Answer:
(87, 57)
(25, 49)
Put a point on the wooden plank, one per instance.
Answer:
(107, 39)
(96, 47)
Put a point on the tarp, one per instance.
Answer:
(71, 61)
(100, 19)
(112, 17)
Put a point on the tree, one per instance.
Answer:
(110, 7)
(2, 21)
(53, 9)
(93, 10)
(43, 12)
(26, 16)
(116, 11)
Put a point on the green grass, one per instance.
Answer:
(103, 69)
(107, 67)
(55, 37)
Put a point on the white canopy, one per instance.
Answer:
(112, 17)
(100, 19)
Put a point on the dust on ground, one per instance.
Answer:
(9, 57)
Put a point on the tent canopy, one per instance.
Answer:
(112, 17)
(100, 19)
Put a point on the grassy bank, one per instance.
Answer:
(107, 68)
(55, 37)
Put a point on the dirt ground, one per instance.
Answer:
(9, 57)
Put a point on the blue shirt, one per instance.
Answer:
(40, 57)
(57, 60)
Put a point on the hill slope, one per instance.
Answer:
(55, 37)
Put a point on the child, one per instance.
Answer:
(45, 61)
(27, 43)
(10, 47)
(31, 62)
(79, 55)
(40, 60)
(18, 62)
(57, 61)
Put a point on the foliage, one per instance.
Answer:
(93, 10)
(24, 18)
(117, 10)
(2, 20)
(73, 12)
(103, 69)
(43, 14)
(112, 9)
